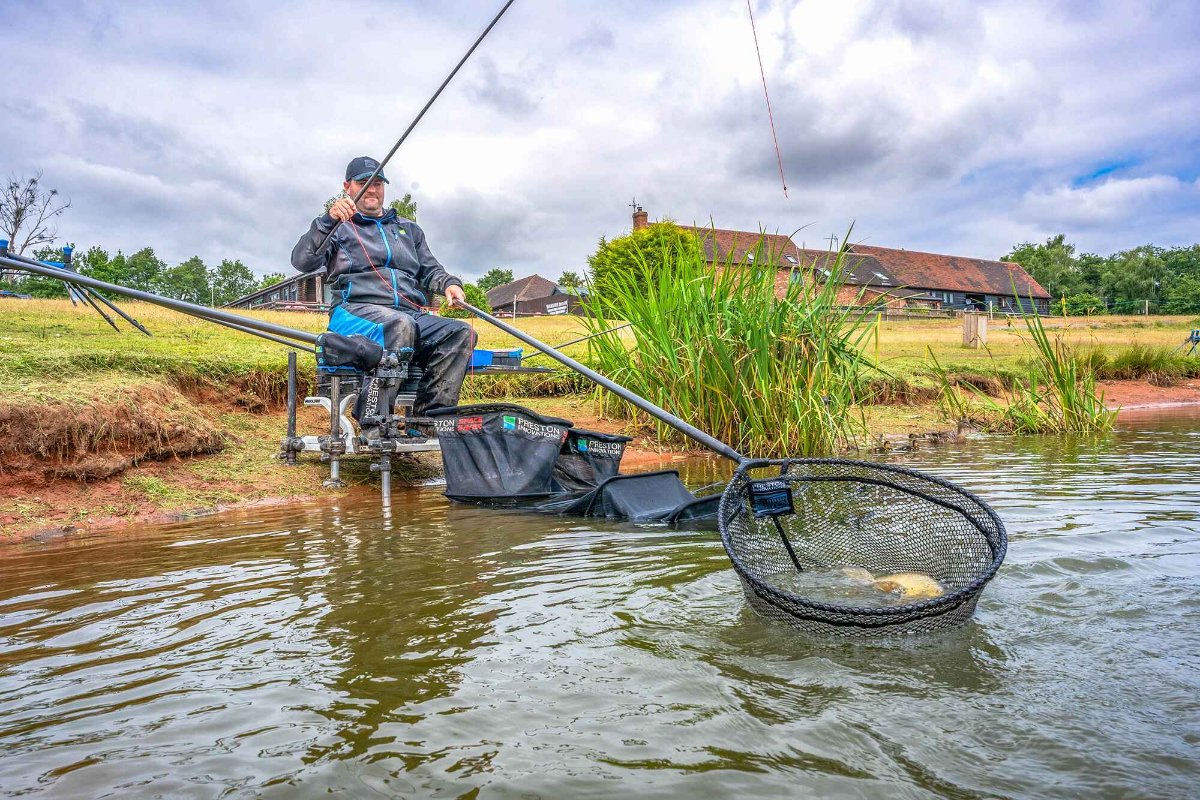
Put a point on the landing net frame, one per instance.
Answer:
(824, 514)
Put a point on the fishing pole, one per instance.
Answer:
(74, 293)
(583, 339)
(691, 431)
(88, 299)
(117, 309)
(248, 324)
(267, 336)
(417, 119)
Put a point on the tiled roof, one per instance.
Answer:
(884, 267)
(858, 270)
(879, 267)
(952, 273)
(531, 287)
(720, 243)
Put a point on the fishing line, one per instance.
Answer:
(770, 114)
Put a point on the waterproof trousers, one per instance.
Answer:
(441, 348)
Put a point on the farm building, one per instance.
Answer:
(530, 296)
(304, 292)
(901, 279)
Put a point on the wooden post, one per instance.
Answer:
(974, 329)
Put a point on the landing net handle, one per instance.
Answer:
(691, 431)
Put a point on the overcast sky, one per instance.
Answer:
(220, 129)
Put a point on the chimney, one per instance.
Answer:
(640, 219)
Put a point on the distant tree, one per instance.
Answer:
(231, 280)
(570, 281)
(271, 280)
(1184, 296)
(475, 296)
(1052, 264)
(1179, 265)
(406, 207)
(143, 270)
(644, 249)
(329, 203)
(27, 211)
(493, 278)
(1132, 280)
(1091, 267)
(48, 253)
(1182, 260)
(96, 264)
(1084, 304)
(40, 286)
(187, 281)
(93, 261)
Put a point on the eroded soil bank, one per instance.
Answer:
(156, 453)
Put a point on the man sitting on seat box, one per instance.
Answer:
(381, 271)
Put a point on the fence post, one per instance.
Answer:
(974, 329)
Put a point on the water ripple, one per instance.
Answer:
(444, 650)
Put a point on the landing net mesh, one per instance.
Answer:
(830, 546)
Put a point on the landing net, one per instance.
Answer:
(853, 548)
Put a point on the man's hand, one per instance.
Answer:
(342, 209)
(455, 296)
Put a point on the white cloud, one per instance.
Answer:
(1107, 202)
(220, 130)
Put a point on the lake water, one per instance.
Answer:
(449, 651)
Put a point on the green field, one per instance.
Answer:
(191, 416)
(50, 343)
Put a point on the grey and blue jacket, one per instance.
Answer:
(383, 260)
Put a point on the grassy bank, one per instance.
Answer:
(190, 417)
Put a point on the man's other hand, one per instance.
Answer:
(342, 209)
(455, 296)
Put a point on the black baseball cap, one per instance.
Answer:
(361, 168)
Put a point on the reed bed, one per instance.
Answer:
(1059, 394)
(768, 375)
(1161, 366)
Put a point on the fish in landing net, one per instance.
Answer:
(910, 585)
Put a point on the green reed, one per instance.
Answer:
(1161, 366)
(768, 375)
(1059, 393)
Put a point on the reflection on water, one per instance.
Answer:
(444, 649)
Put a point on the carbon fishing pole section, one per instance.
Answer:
(379, 167)
(78, 293)
(691, 431)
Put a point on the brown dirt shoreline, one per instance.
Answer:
(40, 506)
